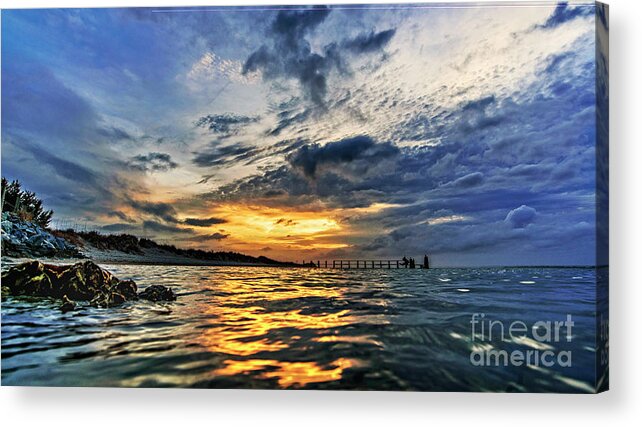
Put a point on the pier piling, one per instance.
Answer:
(351, 264)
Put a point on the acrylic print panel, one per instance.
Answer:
(385, 197)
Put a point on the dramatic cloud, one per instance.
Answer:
(152, 162)
(204, 222)
(224, 124)
(521, 216)
(119, 227)
(341, 131)
(155, 226)
(564, 13)
(290, 54)
(223, 155)
(361, 148)
(208, 237)
(161, 210)
(289, 117)
(372, 42)
(121, 215)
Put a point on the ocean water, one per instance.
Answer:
(252, 327)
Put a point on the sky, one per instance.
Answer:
(467, 132)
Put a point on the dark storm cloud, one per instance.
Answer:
(164, 228)
(208, 237)
(348, 173)
(274, 193)
(480, 114)
(216, 156)
(288, 145)
(372, 42)
(288, 118)
(288, 53)
(161, 210)
(564, 13)
(310, 157)
(152, 162)
(224, 124)
(222, 155)
(120, 215)
(119, 227)
(479, 104)
(204, 222)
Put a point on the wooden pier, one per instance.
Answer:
(369, 264)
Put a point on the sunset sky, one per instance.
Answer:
(313, 133)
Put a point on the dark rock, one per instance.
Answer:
(67, 304)
(29, 279)
(84, 281)
(127, 288)
(157, 293)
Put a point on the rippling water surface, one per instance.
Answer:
(245, 327)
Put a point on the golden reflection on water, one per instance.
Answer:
(238, 325)
(289, 374)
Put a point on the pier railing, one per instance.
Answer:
(358, 263)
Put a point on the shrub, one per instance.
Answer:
(24, 203)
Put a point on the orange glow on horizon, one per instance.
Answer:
(285, 233)
(283, 230)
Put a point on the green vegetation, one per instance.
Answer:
(24, 203)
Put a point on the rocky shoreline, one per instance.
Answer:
(27, 239)
(84, 281)
(72, 276)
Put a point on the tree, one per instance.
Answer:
(24, 203)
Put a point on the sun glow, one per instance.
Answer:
(254, 226)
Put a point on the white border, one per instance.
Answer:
(109, 407)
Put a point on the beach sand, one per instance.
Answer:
(150, 256)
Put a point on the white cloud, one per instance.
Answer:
(447, 219)
(210, 67)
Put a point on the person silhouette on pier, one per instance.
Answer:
(426, 265)
(405, 262)
(412, 263)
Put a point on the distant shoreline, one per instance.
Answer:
(131, 259)
(120, 258)
(25, 240)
